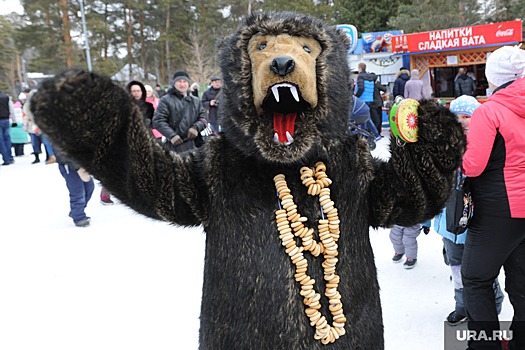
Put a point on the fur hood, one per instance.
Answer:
(401, 72)
(142, 88)
(322, 113)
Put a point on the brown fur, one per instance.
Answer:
(283, 45)
(250, 299)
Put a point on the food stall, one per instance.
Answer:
(439, 54)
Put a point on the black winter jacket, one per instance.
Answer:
(399, 84)
(464, 85)
(5, 109)
(212, 94)
(176, 114)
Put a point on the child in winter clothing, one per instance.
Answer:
(18, 135)
(453, 244)
(404, 240)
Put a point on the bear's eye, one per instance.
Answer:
(307, 49)
(261, 46)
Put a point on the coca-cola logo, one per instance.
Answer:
(506, 32)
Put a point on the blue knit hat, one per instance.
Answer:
(464, 105)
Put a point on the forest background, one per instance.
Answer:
(162, 36)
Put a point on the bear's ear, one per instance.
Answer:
(342, 37)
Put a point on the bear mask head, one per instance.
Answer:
(285, 90)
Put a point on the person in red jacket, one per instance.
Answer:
(495, 163)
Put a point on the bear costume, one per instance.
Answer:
(284, 106)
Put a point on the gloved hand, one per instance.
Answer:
(193, 133)
(176, 140)
(14, 125)
(426, 229)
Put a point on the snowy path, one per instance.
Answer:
(109, 287)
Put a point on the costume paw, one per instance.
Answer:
(440, 135)
(80, 108)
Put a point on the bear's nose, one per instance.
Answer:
(282, 65)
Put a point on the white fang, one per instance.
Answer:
(293, 90)
(295, 95)
(289, 138)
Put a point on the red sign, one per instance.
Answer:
(459, 38)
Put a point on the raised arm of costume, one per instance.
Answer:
(414, 184)
(98, 125)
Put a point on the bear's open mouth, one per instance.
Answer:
(285, 103)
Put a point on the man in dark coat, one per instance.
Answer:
(282, 120)
(211, 101)
(399, 84)
(180, 116)
(464, 85)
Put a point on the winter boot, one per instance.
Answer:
(51, 160)
(37, 158)
(409, 263)
(455, 318)
(105, 198)
(83, 223)
(397, 257)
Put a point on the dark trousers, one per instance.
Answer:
(376, 114)
(493, 242)
(19, 149)
(79, 192)
(37, 140)
(5, 141)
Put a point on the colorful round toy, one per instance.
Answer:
(403, 119)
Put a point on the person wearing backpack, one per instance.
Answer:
(494, 163)
(453, 234)
(364, 89)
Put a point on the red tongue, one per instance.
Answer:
(283, 123)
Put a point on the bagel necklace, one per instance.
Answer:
(290, 225)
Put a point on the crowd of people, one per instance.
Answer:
(493, 166)
(175, 117)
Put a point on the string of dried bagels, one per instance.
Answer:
(290, 225)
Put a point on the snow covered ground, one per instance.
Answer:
(116, 284)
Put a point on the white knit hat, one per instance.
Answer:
(505, 64)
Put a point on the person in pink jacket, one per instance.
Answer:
(495, 163)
